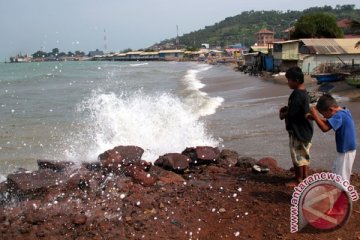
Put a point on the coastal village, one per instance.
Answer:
(325, 59)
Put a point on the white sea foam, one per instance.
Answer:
(138, 64)
(2, 178)
(159, 123)
(200, 102)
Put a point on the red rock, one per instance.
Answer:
(215, 169)
(79, 179)
(35, 216)
(113, 160)
(166, 176)
(171, 177)
(207, 153)
(143, 165)
(56, 166)
(269, 162)
(35, 183)
(79, 219)
(228, 157)
(140, 176)
(174, 162)
(246, 162)
(202, 154)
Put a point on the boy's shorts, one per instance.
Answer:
(299, 151)
(343, 164)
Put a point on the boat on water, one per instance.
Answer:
(328, 77)
(353, 80)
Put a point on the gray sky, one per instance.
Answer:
(30, 25)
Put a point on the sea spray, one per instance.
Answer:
(159, 123)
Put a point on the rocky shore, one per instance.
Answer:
(201, 193)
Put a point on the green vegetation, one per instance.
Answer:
(242, 28)
(56, 53)
(317, 25)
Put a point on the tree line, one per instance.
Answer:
(242, 28)
(56, 53)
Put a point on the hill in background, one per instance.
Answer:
(242, 28)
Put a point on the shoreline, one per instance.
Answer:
(261, 98)
(340, 88)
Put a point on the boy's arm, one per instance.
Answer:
(321, 122)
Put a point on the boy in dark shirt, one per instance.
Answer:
(300, 129)
(340, 120)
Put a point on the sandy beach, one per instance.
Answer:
(250, 113)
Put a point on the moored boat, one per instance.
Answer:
(328, 77)
(353, 80)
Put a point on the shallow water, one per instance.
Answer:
(76, 110)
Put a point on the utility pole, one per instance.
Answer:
(105, 45)
(177, 36)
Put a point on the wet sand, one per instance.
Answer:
(248, 119)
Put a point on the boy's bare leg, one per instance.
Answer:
(298, 177)
(305, 172)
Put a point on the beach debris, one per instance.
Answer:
(222, 210)
(260, 169)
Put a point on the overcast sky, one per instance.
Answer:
(30, 25)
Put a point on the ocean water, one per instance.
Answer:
(77, 110)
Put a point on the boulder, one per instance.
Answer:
(36, 183)
(268, 162)
(202, 154)
(56, 166)
(113, 160)
(166, 176)
(174, 162)
(140, 176)
(246, 162)
(79, 179)
(228, 157)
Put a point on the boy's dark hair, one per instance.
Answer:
(296, 74)
(325, 102)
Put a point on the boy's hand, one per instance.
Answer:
(313, 111)
(283, 112)
(309, 116)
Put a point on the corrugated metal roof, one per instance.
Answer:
(349, 44)
(332, 45)
(149, 53)
(263, 49)
(264, 30)
(134, 53)
(172, 51)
